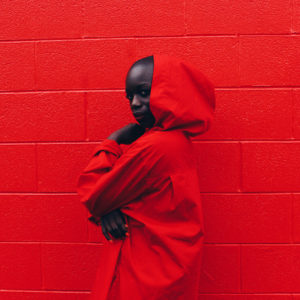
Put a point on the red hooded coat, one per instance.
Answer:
(155, 183)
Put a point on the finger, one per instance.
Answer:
(104, 230)
(108, 226)
(125, 224)
(120, 220)
(123, 221)
(114, 231)
(105, 233)
(120, 223)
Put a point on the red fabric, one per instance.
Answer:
(155, 184)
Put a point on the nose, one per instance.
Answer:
(135, 101)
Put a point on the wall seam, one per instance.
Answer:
(83, 16)
(41, 267)
(241, 279)
(185, 17)
(59, 193)
(241, 188)
(44, 291)
(239, 87)
(35, 66)
(94, 141)
(149, 37)
(292, 9)
(239, 59)
(36, 166)
(293, 95)
(85, 116)
(293, 219)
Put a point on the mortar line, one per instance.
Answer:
(149, 37)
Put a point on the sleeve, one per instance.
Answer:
(103, 159)
(104, 187)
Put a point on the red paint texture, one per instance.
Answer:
(63, 66)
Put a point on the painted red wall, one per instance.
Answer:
(63, 65)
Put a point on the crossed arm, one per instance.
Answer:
(112, 180)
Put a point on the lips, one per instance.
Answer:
(139, 116)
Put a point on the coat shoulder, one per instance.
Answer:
(171, 141)
(174, 147)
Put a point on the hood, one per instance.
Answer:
(181, 97)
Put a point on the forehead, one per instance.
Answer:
(139, 74)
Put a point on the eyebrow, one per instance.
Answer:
(143, 85)
(147, 85)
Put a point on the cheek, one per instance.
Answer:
(147, 101)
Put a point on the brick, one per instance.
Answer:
(216, 57)
(59, 165)
(42, 218)
(252, 114)
(219, 166)
(42, 117)
(106, 112)
(247, 218)
(270, 269)
(64, 218)
(61, 117)
(296, 218)
(154, 18)
(296, 112)
(233, 17)
(20, 218)
(296, 268)
(269, 60)
(69, 266)
(84, 64)
(42, 295)
(18, 120)
(20, 266)
(17, 66)
(79, 64)
(270, 167)
(35, 19)
(295, 60)
(18, 168)
(220, 271)
(176, 46)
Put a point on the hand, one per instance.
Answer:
(114, 224)
(127, 134)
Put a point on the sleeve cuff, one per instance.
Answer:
(110, 146)
(93, 219)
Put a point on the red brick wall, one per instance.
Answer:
(63, 65)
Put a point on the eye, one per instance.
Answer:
(144, 93)
(129, 96)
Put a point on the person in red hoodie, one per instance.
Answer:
(146, 196)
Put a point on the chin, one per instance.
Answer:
(144, 123)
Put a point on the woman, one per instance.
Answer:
(153, 184)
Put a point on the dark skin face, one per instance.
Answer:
(138, 87)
